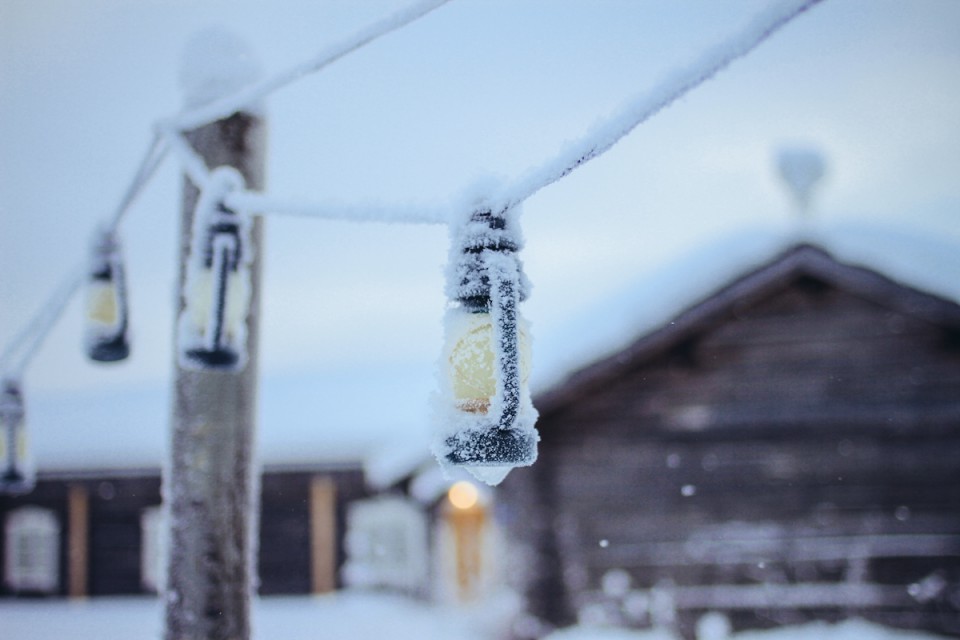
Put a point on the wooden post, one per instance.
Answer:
(211, 486)
(78, 537)
(323, 534)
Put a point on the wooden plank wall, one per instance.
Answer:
(813, 410)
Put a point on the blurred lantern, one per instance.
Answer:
(17, 476)
(107, 309)
(490, 427)
(217, 292)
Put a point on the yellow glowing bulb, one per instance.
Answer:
(472, 364)
(463, 495)
(200, 295)
(102, 303)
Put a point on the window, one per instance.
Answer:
(32, 553)
(386, 544)
(153, 549)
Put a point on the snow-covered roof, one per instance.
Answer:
(921, 262)
(380, 418)
(331, 418)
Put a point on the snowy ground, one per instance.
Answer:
(358, 616)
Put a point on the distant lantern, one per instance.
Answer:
(106, 336)
(17, 475)
(489, 426)
(212, 330)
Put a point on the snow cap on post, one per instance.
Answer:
(486, 420)
(217, 63)
(17, 474)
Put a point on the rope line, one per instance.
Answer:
(253, 93)
(152, 160)
(168, 135)
(604, 136)
(25, 345)
(597, 141)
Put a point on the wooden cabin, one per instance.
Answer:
(785, 449)
(100, 533)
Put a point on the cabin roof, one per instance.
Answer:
(872, 273)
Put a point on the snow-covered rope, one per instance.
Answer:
(24, 345)
(602, 137)
(192, 164)
(252, 94)
(267, 204)
(152, 160)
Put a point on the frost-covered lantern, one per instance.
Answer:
(106, 338)
(17, 475)
(487, 419)
(213, 324)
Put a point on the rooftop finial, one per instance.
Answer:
(801, 168)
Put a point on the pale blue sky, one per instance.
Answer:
(475, 88)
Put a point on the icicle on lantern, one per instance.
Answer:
(106, 336)
(17, 475)
(487, 417)
(212, 330)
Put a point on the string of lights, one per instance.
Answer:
(168, 136)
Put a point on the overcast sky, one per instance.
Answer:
(477, 88)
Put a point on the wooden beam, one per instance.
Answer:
(78, 540)
(323, 534)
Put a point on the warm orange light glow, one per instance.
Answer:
(463, 495)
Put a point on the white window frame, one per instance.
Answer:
(386, 544)
(153, 549)
(32, 550)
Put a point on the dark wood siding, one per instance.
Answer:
(117, 502)
(807, 413)
(116, 505)
(284, 560)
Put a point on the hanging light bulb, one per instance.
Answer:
(489, 429)
(217, 292)
(107, 310)
(17, 475)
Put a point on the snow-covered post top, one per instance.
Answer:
(17, 474)
(486, 418)
(217, 63)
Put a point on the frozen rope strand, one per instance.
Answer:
(594, 143)
(605, 135)
(253, 93)
(23, 347)
(152, 160)
(16, 357)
